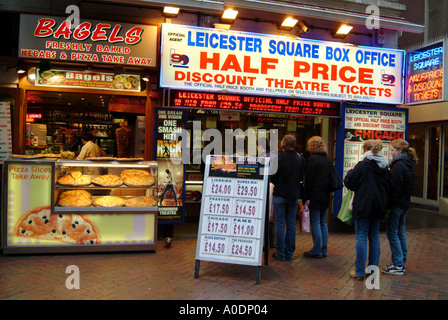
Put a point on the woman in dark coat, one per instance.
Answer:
(317, 173)
(286, 196)
(403, 174)
(371, 180)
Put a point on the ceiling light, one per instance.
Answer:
(170, 11)
(229, 14)
(344, 29)
(289, 22)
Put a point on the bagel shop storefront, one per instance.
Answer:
(231, 79)
(80, 79)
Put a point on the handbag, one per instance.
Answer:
(345, 213)
(306, 218)
(335, 182)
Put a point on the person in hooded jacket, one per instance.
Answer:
(403, 175)
(317, 172)
(371, 181)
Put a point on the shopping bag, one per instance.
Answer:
(345, 213)
(306, 218)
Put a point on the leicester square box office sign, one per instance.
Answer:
(425, 74)
(54, 38)
(210, 59)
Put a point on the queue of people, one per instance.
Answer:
(379, 188)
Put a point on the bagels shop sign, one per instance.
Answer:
(54, 38)
(425, 74)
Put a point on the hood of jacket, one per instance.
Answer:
(404, 158)
(379, 159)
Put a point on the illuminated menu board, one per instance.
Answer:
(248, 103)
(425, 74)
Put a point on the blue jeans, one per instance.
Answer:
(319, 231)
(367, 229)
(285, 211)
(396, 234)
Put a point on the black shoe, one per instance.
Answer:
(275, 256)
(310, 255)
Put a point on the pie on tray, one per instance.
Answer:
(109, 201)
(144, 201)
(39, 223)
(75, 193)
(134, 172)
(139, 181)
(75, 201)
(75, 179)
(108, 180)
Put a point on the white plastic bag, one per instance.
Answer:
(306, 218)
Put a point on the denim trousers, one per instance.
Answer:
(285, 211)
(319, 232)
(396, 234)
(367, 241)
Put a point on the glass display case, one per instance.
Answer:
(101, 186)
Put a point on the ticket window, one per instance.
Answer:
(302, 127)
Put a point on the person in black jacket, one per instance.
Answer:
(371, 180)
(403, 175)
(286, 196)
(317, 173)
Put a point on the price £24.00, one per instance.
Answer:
(221, 189)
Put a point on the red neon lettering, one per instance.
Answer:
(134, 35)
(82, 32)
(114, 35)
(43, 28)
(99, 33)
(63, 30)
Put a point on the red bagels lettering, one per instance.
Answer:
(46, 27)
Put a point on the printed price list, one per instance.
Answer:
(232, 217)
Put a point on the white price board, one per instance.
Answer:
(232, 220)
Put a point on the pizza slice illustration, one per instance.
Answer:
(40, 223)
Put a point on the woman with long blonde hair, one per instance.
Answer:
(403, 175)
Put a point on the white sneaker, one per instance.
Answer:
(393, 269)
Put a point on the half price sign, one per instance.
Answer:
(232, 213)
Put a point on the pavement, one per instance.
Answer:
(168, 273)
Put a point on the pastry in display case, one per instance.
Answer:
(83, 186)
